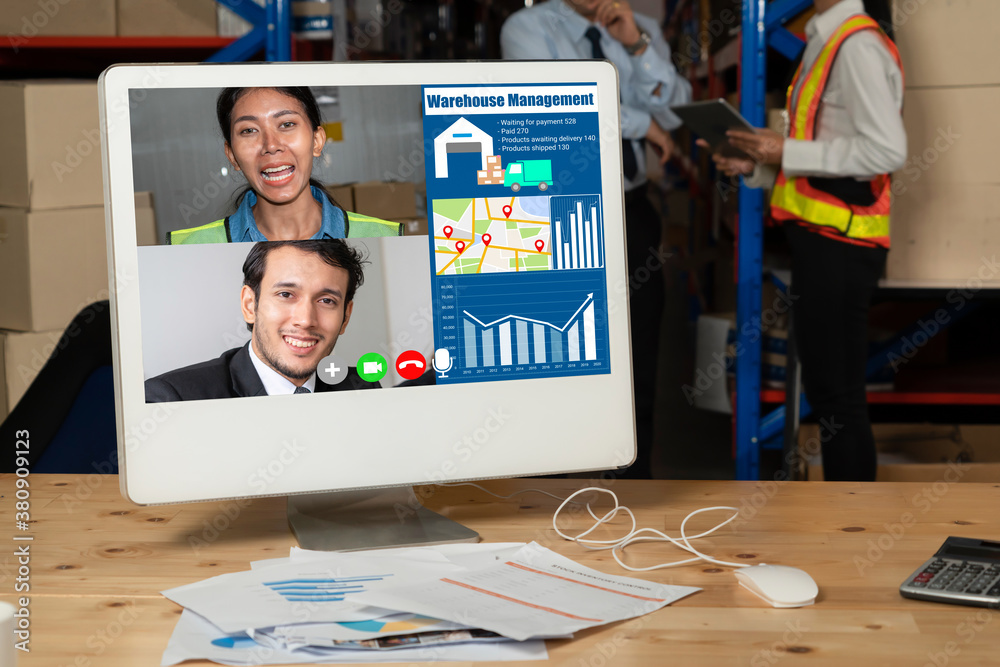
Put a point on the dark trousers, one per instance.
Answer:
(645, 275)
(832, 286)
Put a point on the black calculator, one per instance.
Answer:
(963, 571)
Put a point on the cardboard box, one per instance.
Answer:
(948, 42)
(168, 18)
(944, 215)
(925, 452)
(22, 20)
(948, 234)
(388, 201)
(22, 355)
(343, 195)
(52, 264)
(951, 135)
(945, 473)
(145, 220)
(51, 144)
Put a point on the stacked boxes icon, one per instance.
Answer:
(493, 174)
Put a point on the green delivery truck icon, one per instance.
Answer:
(527, 173)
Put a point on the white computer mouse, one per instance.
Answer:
(779, 585)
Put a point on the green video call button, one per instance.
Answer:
(371, 367)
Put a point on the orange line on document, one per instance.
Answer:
(521, 602)
(582, 583)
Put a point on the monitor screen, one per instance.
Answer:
(393, 274)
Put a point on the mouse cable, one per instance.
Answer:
(618, 545)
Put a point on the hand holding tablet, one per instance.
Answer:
(736, 144)
(711, 120)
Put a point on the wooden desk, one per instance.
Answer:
(98, 564)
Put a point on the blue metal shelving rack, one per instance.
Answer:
(762, 28)
(272, 32)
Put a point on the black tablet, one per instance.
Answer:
(710, 120)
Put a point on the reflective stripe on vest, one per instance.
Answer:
(359, 226)
(213, 232)
(794, 198)
(362, 226)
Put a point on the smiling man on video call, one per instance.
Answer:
(297, 299)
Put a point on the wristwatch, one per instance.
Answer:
(643, 41)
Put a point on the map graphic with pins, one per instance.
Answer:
(514, 234)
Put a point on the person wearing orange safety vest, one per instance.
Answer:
(831, 189)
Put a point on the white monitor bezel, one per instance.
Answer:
(171, 452)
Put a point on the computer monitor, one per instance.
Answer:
(488, 339)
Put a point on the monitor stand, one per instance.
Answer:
(370, 519)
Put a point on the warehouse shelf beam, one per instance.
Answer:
(779, 11)
(941, 317)
(272, 32)
(785, 43)
(761, 21)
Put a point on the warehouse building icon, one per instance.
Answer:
(461, 137)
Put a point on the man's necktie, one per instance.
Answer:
(629, 164)
(302, 390)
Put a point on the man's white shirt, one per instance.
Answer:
(276, 384)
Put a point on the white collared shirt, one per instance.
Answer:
(276, 384)
(859, 128)
(555, 31)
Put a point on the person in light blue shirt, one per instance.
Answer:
(243, 228)
(633, 43)
(649, 86)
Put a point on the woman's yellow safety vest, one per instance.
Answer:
(797, 198)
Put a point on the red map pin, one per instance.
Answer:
(507, 210)
(459, 246)
(487, 238)
(539, 244)
(447, 231)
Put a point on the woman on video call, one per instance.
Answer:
(271, 136)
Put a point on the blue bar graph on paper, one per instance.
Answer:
(321, 589)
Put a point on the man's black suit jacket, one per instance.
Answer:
(231, 375)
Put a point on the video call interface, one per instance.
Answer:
(498, 272)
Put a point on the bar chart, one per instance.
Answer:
(333, 589)
(577, 232)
